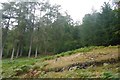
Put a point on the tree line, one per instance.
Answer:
(34, 28)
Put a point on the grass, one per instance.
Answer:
(85, 49)
(109, 71)
(8, 66)
(97, 54)
(22, 66)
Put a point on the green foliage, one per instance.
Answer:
(64, 54)
(48, 58)
(83, 50)
(19, 67)
(25, 68)
(107, 75)
(18, 71)
(55, 33)
(83, 73)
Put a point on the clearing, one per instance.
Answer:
(88, 62)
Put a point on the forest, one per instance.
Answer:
(41, 41)
(30, 29)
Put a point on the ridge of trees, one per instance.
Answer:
(34, 28)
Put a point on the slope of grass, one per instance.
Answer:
(108, 71)
(83, 50)
(23, 67)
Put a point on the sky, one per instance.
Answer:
(77, 8)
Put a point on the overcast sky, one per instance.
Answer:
(77, 8)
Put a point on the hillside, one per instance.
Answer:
(88, 62)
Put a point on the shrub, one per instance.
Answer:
(18, 71)
(35, 67)
(26, 68)
(107, 75)
(48, 58)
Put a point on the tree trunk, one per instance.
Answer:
(7, 53)
(5, 36)
(36, 53)
(1, 51)
(1, 42)
(17, 52)
(29, 51)
(20, 52)
(45, 47)
(45, 50)
(54, 50)
(12, 54)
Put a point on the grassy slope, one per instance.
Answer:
(41, 67)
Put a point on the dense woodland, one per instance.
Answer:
(34, 28)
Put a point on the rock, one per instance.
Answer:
(91, 66)
(57, 59)
(34, 72)
(30, 74)
(78, 67)
(70, 69)
(84, 65)
(73, 68)
(105, 64)
(63, 69)
(37, 73)
(92, 58)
